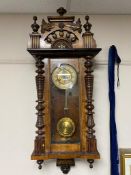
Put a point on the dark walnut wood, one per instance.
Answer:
(89, 78)
(35, 27)
(35, 36)
(40, 138)
(40, 162)
(69, 53)
(61, 22)
(88, 39)
(61, 11)
(65, 164)
(91, 161)
(61, 42)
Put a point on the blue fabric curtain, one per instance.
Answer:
(114, 156)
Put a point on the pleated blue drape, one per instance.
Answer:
(114, 155)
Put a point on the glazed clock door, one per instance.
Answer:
(64, 98)
(64, 79)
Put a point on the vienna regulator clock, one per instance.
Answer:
(64, 81)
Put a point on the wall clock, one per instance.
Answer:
(64, 80)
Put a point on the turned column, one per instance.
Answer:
(89, 78)
(40, 138)
(89, 42)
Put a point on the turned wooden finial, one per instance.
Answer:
(61, 11)
(35, 27)
(88, 40)
(87, 26)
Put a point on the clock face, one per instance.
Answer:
(64, 76)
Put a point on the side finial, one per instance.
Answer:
(87, 26)
(35, 27)
(88, 40)
(61, 11)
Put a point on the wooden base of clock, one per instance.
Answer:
(65, 164)
(66, 160)
(67, 155)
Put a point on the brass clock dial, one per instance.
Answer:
(64, 76)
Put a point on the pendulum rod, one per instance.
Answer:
(66, 101)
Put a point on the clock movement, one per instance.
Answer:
(65, 118)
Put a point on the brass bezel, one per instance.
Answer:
(72, 81)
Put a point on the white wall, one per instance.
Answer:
(18, 95)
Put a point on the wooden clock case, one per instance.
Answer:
(61, 42)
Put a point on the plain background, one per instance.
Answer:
(18, 95)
